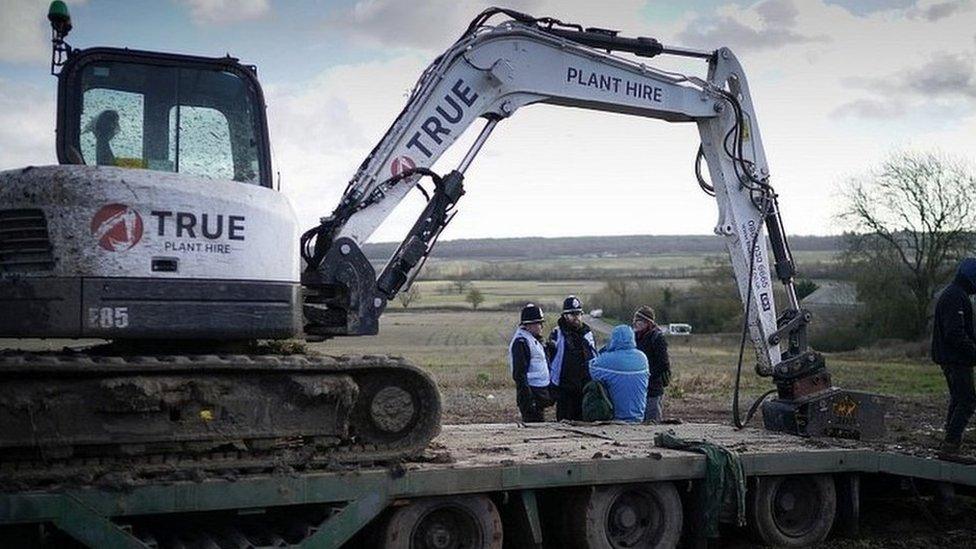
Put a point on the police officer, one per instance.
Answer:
(530, 369)
(570, 347)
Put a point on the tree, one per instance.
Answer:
(911, 221)
(460, 285)
(474, 297)
(409, 296)
(805, 287)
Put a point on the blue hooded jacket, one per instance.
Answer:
(623, 371)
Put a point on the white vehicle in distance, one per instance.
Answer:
(679, 329)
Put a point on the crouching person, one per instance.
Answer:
(622, 369)
(530, 370)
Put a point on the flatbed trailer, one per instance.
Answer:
(481, 486)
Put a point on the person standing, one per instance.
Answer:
(954, 350)
(529, 366)
(570, 348)
(622, 369)
(651, 341)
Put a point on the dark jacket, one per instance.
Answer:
(655, 346)
(953, 339)
(570, 368)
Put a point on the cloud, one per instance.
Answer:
(767, 25)
(225, 11)
(876, 109)
(322, 128)
(435, 24)
(868, 7)
(25, 34)
(935, 10)
(422, 25)
(26, 125)
(946, 77)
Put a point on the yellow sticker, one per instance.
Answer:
(128, 162)
(206, 415)
(845, 407)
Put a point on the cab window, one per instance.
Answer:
(200, 142)
(198, 121)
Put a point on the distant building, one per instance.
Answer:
(833, 303)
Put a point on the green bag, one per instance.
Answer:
(597, 405)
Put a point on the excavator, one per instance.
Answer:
(160, 230)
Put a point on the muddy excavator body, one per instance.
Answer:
(160, 231)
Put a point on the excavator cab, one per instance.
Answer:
(164, 112)
(160, 221)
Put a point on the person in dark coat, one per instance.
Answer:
(651, 341)
(529, 366)
(954, 349)
(570, 348)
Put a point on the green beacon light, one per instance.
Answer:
(60, 20)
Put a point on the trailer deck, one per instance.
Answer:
(464, 459)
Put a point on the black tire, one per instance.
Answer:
(792, 511)
(462, 522)
(629, 515)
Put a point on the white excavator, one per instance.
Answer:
(161, 231)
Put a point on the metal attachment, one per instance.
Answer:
(345, 249)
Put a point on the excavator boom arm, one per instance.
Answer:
(492, 72)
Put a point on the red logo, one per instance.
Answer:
(402, 163)
(117, 227)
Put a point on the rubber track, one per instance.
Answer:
(55, 365)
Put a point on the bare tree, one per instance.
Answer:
(411, 295)
(911, 220)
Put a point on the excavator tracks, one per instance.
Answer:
(81, 416)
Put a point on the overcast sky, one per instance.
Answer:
(838, 85)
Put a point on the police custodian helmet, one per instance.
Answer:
(572, 304)
(531, 314)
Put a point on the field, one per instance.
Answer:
(592, 266)
(512, 294)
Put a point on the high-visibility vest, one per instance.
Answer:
(538, 372)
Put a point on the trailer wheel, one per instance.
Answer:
(465, 522)
(630, 515)
(792, 511)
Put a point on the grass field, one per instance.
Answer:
(437, 294)
(590, 267)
